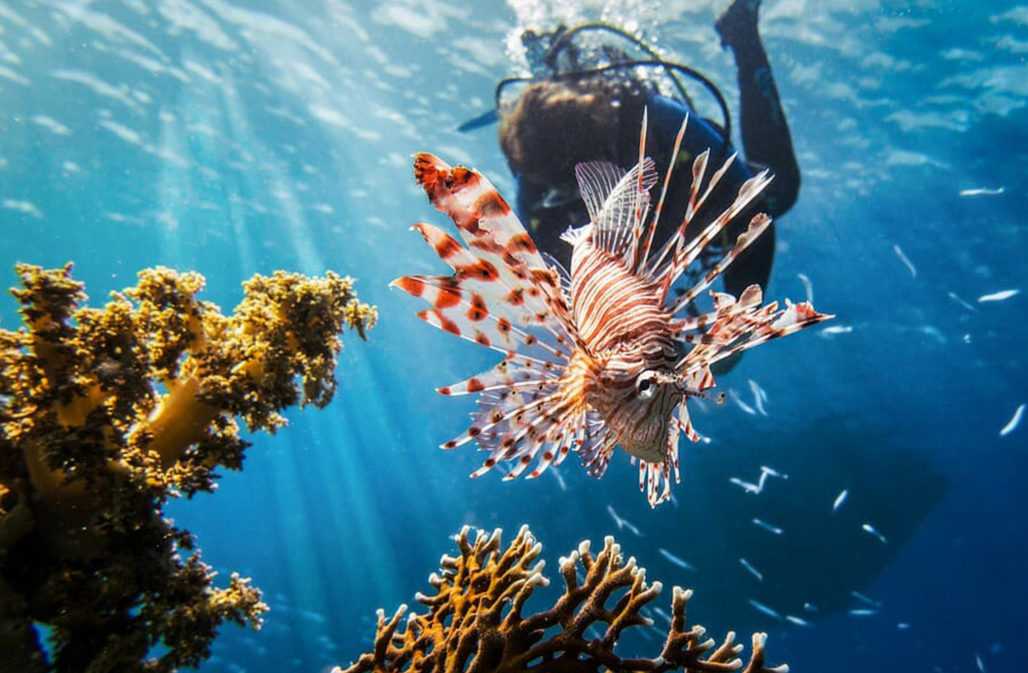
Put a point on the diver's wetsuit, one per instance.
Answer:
(765, 137)
(665, 119)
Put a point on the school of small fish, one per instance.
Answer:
(603, 356)
(764, 609)
(623, 523)
(957, 298)
(829, 332)
(759, 397)
(872, 531)
(675, 560)
(839, 500)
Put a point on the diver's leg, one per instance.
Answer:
(765, 132)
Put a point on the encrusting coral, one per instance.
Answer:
(474, 622)
(107, 412)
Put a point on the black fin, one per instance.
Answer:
(484, 119)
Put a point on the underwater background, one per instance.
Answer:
(236, 138)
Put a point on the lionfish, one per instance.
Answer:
(602, 356)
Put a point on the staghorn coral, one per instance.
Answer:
(475, 624)
(107, 412)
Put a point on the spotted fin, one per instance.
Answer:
(517, 426)
(502, 294)
(739, 326)
(757, 226)
(514, 373)
(505, 256)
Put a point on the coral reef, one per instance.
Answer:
(474, 622)
(105, 413)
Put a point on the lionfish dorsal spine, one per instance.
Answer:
(639, 263)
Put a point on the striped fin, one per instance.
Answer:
(468, 314)
(699, 167)
(789, 321)
(515, 425)
(647, 241)
(596, 179)
(479, 280)
(758, 225)
(447, 247)
(501, 421)
(687, 254)
(737, 331)
(624, 204)
(513, 372)
(558, 450)
(506, 258)
(731, 322)
(651, 476)
(503, 295)
(562, 273)
(750, 298)
(685, 422)
(596, 445)
(527, 430)
(654, 475)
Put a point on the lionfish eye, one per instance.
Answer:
(645, 385)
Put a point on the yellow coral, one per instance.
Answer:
(106, 412)
(474, 622)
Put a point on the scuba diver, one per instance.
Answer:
(585, 102)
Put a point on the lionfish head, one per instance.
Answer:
(637, 402)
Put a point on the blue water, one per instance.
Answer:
(236, 138)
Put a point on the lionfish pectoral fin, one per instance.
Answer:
(596, 445)
(501, 262)
(741, 326)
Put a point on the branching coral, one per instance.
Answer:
(107, 412)
(474, 622)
